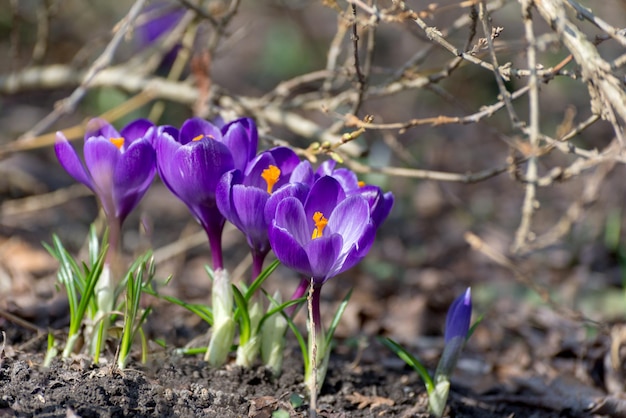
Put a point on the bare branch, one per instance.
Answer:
(69, 104)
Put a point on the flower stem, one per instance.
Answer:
(214, 233)
(318, 361)
(115, 239)
(298, 293)
(258, 257)
(313, 351)
(105, 287)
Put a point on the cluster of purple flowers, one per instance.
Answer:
(318, 222)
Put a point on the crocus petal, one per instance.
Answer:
(156, 132)
(383, 208)
(101, 158)
(349, 219)
(347, 178)
(135, 165)
(288, 250)
(459, 316)
(298, 190)
(380, 204)
(324, 196)
(135, 130)
(323, 253)
(196, 169)
(285, 158)
(196, 127)
(241, 137)
(281, 157)
(303, 173)
(68, 158)
(100, 127)
(248, 202)
(255, 170)
(224, 195)
(133, 175)
(357, 252)
(326, 168)
(290, 216)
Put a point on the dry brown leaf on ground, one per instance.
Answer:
(264, 406)
(363, 401)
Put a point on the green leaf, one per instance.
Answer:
(203, 311)
(243, 316)
(473, 327)
(191, 351)
(296, 400)
(279, 308)
(280, 413)
(410, 360)
(259, 280)
(92, 278)
(337, 317)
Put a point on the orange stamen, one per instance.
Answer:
(361, 183)
(118, 142)
(320, 224)
(271, 175)
(202, 136)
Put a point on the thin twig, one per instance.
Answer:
(69, 104)
(608, 97)
(483, 15)
(361, 79)
(528, 207)
(614, 33)
(525, 278)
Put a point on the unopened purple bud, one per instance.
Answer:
(459, 315)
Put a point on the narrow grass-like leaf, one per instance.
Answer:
(191, 351)
(51, 351)
(90, 283)
(260, 279)
(87, 297)
(242, 316)
(337, 317)
(144, 345)
(209, 272)
(135, 282)
(94, 244)
(203, 311)
(279, 308)
(473, 327)
(411, 361)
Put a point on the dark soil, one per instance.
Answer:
(361, 382)
(181, 386)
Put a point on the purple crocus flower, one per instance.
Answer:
(380, 203)
(242, 197)
(324, 235)
(321, 236)
(459, 316)
(192, 164)
(118, 168)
